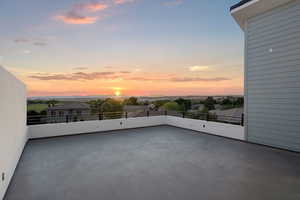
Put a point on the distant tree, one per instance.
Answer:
(226, 101)
(209, 103)
(111, 108)
(112, 105)
(160, 103)
(96, 105)
(52, 102)
(32, 113)
(186, 104)
(146, 103)
(205, 110)
(172, 106)
(239, 102)
(43, 112)
(131, 101)
(232, 102)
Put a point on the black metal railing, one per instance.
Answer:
(48, 119)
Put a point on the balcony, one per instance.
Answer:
(152, 156)
(159, 162)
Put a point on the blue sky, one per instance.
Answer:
(44, 41)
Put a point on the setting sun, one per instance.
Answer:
(117, 93)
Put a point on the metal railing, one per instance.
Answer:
(48, 119)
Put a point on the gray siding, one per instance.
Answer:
(273, 77)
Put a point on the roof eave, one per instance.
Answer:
(241, 3)
(253, 8)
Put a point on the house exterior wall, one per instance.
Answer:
(13, 129)
(272, 77)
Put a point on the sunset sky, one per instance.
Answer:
(135, 47)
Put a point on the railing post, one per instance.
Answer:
(67, 118)
(99, 116)
(166, 112)
(126, 115)
(207, 117)
(148, 113)
(183, 114)
(242, 120)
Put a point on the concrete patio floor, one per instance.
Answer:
(155, 163)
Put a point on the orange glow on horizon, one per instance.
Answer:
(128, 86)
(118, 93)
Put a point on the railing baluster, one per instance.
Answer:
(242, 119)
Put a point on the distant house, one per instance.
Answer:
(68, 112)
(197, 107)
(231, 115)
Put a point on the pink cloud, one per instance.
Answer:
(78, 13)
(179, 79)
(193, 79)
(75, 18)
(80, 76)
(122, 1)
(91, 7)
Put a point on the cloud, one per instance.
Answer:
(77, 76)
(66, 92)
(121, 75)
(34, 42)
(90, 7)
(39, 43)
(75, 18)
(143, 79)
(21, 40)
(125, 72)
(77, 14)
(198, 68)
(178, 79)
(173, 3)
(192, 79)
(26, 51)
(80, 68)
(123, 1)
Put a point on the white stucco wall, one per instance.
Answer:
(220, 129)
(13, 129)
(51, 130)
(215, 128)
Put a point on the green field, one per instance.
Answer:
(37, 107)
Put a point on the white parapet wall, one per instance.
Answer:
(61, 129)
(13, 129)
(215, 128)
